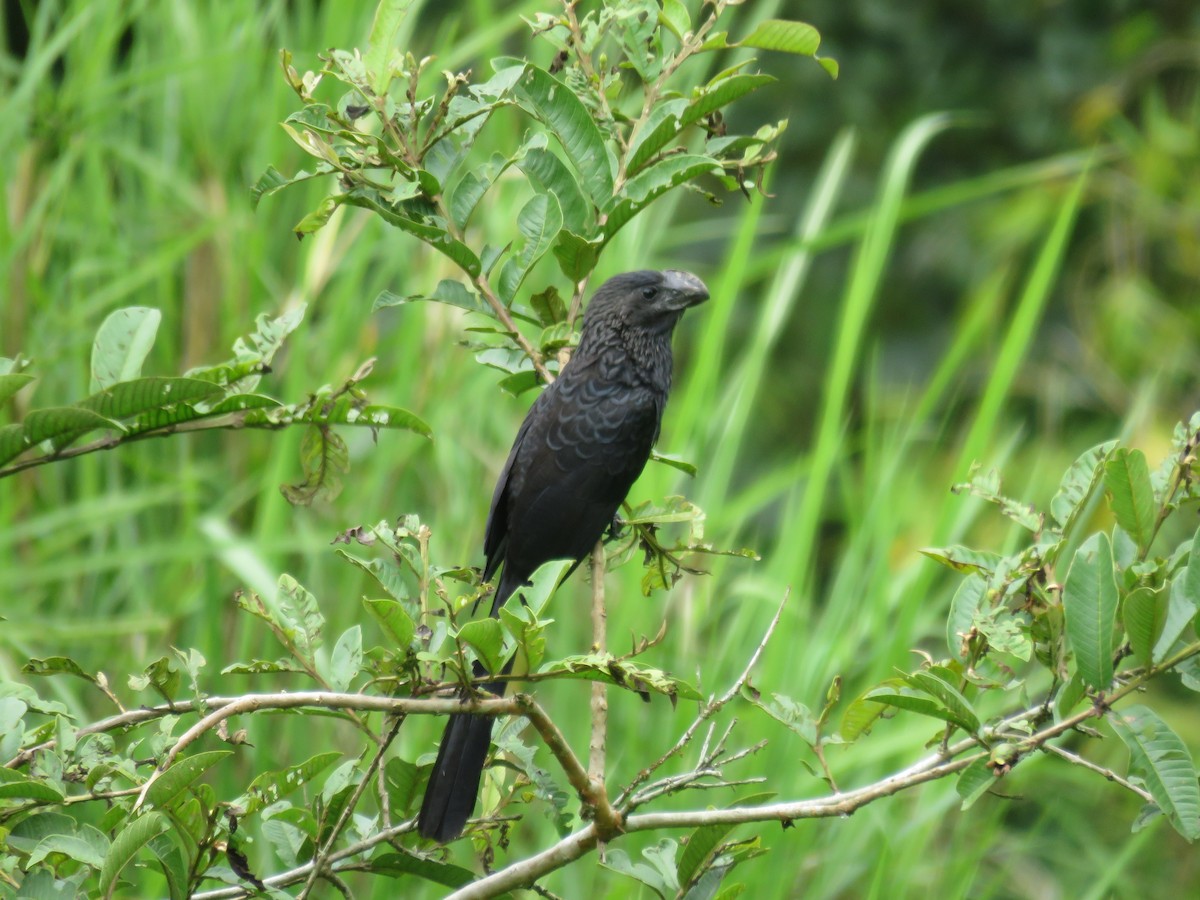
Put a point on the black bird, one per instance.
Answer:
(582, 445)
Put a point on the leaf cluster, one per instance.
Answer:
(125, 405)
(1084, 617)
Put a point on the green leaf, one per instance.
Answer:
(389, 15)
(61, 425)
(986, 485)
(16, 786)
(1078, 484)
(906, 698)
(56, 665)
(12, 382)
(302, 620)
(402, 778)
(273, 180)
(345, 662)
(674, 15)
(1145, 614)
(939, 687)
(1090, 605)
(1190, 582)
(435, 236)
(963, 607)
(262, 667)
(317, 218)
(721, 91)
(174, 862)
(387, 572)
(652, 182)
(542, 584)
(552, 174)
(662, 126)
(131, 398)
(393, 619)
(784, 36)
(576, 255)
(88, 846)
(160, 675)
(1004, 631)
(539, 221)
(252, 355)
(12, 442)
(1161, 762)
(171, 784)
(675, 462)
(345, 412)
(789, 37)
(618, 861)
(631, 676)
(269, 787)
(486, 638)
(448, 291)
(184, 412)
(125, 846)
(549, 307)
(402, 865)
(698, 851)
(963, 559)
(553, 103)
(792, 714)
(122, 344)
(25, 835)
(1127, 478)
(973, 782)
(1181, 609)
(325, 458)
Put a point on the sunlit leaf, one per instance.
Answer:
(1127, 478)
(1090, 604)
(393, 619)
(122, 345)
(126, 845)
(1078, 484)
(1145, 613)
(555, 104)
(171, 784)
(1161, 762)
(973, 782)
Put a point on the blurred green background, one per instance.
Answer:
(878, 324)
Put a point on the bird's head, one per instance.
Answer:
(646, 299)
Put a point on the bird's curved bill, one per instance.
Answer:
(690, 290)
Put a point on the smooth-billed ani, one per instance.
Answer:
(582, 445)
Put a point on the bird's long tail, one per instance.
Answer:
(454, 781)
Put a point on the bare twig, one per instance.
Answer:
(320, 859)
(706, 712)
(596, 749)
(1078, 760)
(300, 873)
(590, 790)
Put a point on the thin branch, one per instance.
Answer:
(300, 873)
(707, 711)
(320, 859)
(229, 421)
(485, 290)
(596, 748)
(1078, 760)
(591, 791)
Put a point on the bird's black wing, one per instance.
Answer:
(581, 452)
(496, 531)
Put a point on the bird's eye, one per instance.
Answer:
(649, 292)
